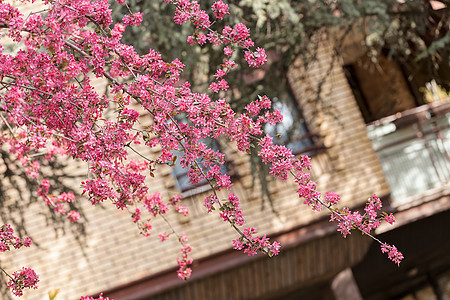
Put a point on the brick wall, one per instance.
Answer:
(349, 166)
(112, 253)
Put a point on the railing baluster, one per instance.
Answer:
(414, 154)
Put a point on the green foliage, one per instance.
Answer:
(435, 46)
(407, 30)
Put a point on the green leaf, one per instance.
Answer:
(435, 46)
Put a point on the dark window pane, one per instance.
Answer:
(292, 132)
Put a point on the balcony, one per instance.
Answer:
(414, 151)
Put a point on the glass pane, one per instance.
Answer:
(291, 132)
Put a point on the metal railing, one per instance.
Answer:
(414, 150)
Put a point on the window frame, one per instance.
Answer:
(315, 145)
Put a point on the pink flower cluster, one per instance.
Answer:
(73, 216)
(252, 244)
(100, 297)
(254, 108)
(132, 20)
(145, 228)
(209, 202)
(393, 254)
(239, 35)
(57, 202)
(24, 278)
(154, 204)
(256, 58)
(187, 10)
(163, 236)
(231, 212)
(184, 270)
(366, 223)
(21, 279)
(220, 9)
(278, 157)
(33, 169)
(8, 239)
(136, 216)
(222, 84)
(49, 108)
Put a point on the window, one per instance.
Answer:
(380, 89)
(293, 131)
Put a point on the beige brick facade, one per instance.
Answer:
(112, 253)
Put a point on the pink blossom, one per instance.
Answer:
(201, 39)
(215, 38)
(134, 19)
(145, 228)
(184, 271)
(393, 254)
(274, 249)
(240, 32)
(27, 242)
(190, 40)
(24, 278)
(220, 73)
(182, 210)
(228, 51)
(175, 199)
(231, 211)
(154, 204)
(43, 190)
(66, 197)
(33, 170)
(210, 201)
(238, 244)
(331, 198)
(220, 85)
(136, 215)
(389, 218)
(7, 239)
(224, 181)
(220, 9)
(257, 58)
(59, 208)
(252, 244)
(230, 64)
(73, 216)
(118, 30)
(98, 190)
(100, 296)
(373, 204)
(163, 236)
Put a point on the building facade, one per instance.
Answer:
(379, 139)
